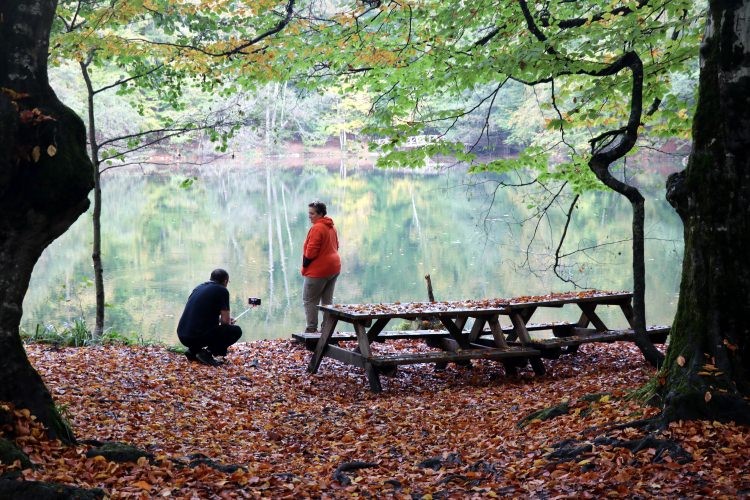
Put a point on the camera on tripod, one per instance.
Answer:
(253, 301)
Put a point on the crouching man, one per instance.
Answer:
(205, 326)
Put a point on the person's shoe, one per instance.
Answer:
(205, 357)
(311, 330)
(190, 356)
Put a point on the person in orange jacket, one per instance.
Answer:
(321, 263)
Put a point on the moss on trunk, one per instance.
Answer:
(706, 373)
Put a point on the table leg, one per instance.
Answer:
(519, 318)
(588, 311)
(538, 366)
(627, 310)
(476, 329)
(375, 329)
(364, 349)
(519, 328)
(455, 332)
(461, 322)
(325, 338)
(497, 331)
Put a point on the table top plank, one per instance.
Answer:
(558, 300)
(413, 310)
(471, 308)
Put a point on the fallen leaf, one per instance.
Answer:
(143, 485)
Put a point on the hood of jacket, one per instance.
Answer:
(325, 220)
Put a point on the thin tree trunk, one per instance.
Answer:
(652, 355)
(603, 156)
(96, 216)
(96, 255)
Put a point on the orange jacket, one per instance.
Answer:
(320, 250)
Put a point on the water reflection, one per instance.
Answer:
(159, 241)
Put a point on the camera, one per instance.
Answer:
(253, 301)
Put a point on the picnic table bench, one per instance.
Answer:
(310, 340)
(369, 321)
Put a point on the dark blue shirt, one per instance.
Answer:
(202, 310)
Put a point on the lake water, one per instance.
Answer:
(160, 240)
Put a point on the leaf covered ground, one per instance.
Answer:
(259, 425)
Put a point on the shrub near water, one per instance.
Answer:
(77, 334)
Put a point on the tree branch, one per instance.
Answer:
(126, 80)
(568, 218)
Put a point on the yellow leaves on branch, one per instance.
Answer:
(380, 58)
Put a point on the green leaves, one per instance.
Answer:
(435, 69)
(187, 183)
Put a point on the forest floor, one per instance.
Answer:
(260, 425)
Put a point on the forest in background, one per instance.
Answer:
(276, 115)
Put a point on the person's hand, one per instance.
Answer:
(231, 321)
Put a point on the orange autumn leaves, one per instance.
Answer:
(241, 431)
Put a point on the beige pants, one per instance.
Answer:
(317, 291)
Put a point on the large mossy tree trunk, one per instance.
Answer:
(706, 373)
(45, 178)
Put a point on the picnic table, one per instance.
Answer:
(484, 338)
(588, 328)
(369, 321)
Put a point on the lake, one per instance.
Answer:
(160, 240)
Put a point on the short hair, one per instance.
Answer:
(319, 207)
(219, 276)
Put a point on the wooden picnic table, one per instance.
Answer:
(588, 328)
(460, 344)
(520, 310)
(369, 321)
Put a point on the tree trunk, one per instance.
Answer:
(706, 373)
(96, 216)
(45, 177)
(650, 353)
(601, 158)
(96, 255)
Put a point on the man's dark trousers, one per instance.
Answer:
(216, 340)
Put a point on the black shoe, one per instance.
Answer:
(311, 330)
(205, 357)
(190, 355)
